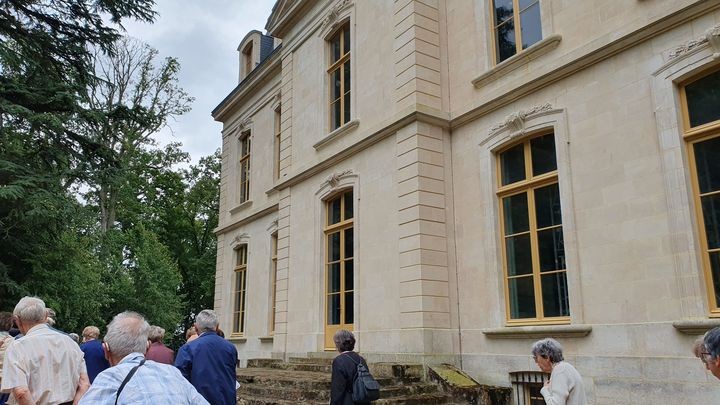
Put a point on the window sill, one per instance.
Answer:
(695, 326)
(337, 133)
(240, 207)
(266, 339)
(237, 339)
(538, 332)
(508, 65)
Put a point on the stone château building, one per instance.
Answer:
(453, 179)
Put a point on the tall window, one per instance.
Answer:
(701, 105)
(273, 284)
(516, 26)
(245, 167)
(533, 250)
(239, 291)
(247, 57)
(339, 71)
(278, 133)
(339, 260)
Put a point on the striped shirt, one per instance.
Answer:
(45, 361)
(153, 383)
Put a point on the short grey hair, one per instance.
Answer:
(127, 333)
(156, 334)
(206, 320)
(711, 341)
(344, 340)
(91, 332)
(31, 309)
(548, 348)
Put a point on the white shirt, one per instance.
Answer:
(566, 386)
(46, 361)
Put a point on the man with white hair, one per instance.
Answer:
(132, 379)
(44, 367)
(209, 361)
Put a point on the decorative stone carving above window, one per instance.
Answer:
(335, 181)
(515, 122)
(711, 38)
(334, 17)
(240, 239)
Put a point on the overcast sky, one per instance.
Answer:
(204, 36)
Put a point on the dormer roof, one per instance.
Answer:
(284, 14)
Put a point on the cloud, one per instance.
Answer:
(203, 36)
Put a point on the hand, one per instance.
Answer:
(547, 384)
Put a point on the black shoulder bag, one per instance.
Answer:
(127, 378)
(365, 387)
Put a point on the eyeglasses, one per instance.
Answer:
(703, 357)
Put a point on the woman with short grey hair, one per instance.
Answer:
(565, 386)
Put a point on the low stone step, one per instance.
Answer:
(311, 360)
(301, 394)
(421, 399)
(273, 401)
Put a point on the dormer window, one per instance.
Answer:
(247, 54)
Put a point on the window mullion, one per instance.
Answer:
(518, 29)
(535, 255)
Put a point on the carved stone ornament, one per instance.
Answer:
(238, 239)
(243, 125)
(276, 101)
(334, 179)
(515, 122)
(712, 37)
(331, 19)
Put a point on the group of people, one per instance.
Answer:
(130, 365)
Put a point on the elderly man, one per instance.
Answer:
(44, 367)
(132, 379)
(208, 362)
(711, 355)
(157, 350)
(94, 355)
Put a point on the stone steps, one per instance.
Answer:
(307, 381)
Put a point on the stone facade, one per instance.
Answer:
(430, 109)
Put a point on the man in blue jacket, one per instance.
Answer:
(209, 361)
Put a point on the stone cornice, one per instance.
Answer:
(695, 326)
(222, 228)
(711, 37)
(538, 332)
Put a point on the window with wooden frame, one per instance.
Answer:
(241, 255)
(516, 26)
(339, 72)
(244, 167)
(532, 234)
(247, 57)
(273, 281)
(278, 133)
(527, 385)
(700, 100)
(339, 263)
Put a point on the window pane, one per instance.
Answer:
(336, 91)
(711, 215)
(530, 29)
(334, 278)
(335, 47)
(333, 317)
(348, 205)
(503, 10)
(547, 206)
(542, 150)
(703, 99)
(505, 40)
(522, 298)
(335, 115)
(555, 295)
(346, 76)
(512, 165)
(519, 258)
(334, 211)
(515, 210)
(348, 243)
(349, 308)
(525, 3)
(715, 270)
(346, 109)
(346, 37)
(707, 162)
(551, 249)
(349, 280)
(334, 247)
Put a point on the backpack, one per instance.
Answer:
(365, 387)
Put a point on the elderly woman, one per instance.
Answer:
(344, 367)
(565, 386)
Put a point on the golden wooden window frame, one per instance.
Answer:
(273, 284)
(516, 23)
(339, 227)
(278, 133)
(245, 167)
(339, 65)
(527, 186)
(693, 135)
(240, 289)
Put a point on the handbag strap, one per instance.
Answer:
(127, 378)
